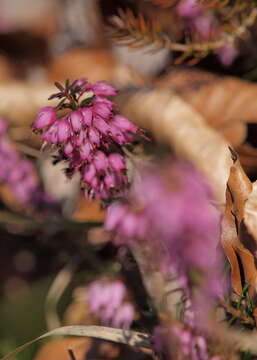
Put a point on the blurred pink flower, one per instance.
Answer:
(227, 54)
(189, 343)
(204, 26)
(107, 300)
(19, 174)
(169, 208)
(189, 8)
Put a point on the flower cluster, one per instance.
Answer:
(18, 173)
(204, 26)
(107, 300)
(189, 344)
(89, 136)
(169, 207)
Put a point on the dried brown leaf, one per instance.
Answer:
(172, 120)
(251, 212)
(93, 64)
(226, 103)
(233, 238)
(248, 157)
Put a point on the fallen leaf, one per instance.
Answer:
(227, 103)
(248, 157)
(171, 120)
(234, 237)
(251, 212)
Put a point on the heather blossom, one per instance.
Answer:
(201, 21)
(18, 173)
(189, 343)
(106, 299)
(169, 209)
(89, 135)
(204, 26)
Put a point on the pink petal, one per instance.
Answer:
(85, 151)
(110, 181)
(89, 173)
(76, 120)
(87, 116)
(46, 116)
(102, 109)
(68, 148)
(93, 136)
(124, 124)
(100, 161)
(103, 89)
(63, 130)
(116, 161)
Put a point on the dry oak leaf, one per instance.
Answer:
(227, 103)
(251, 212)
(171, 120)
(235, 240)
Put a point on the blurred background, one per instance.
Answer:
(42, 42)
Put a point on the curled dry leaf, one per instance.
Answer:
(226, 103)
(248, 157)
(251, 212)
(172, 120)
(234, 238)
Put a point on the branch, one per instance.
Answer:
(136, 32)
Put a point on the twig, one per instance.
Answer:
(71, 354)
(237, 313)
(137, 32)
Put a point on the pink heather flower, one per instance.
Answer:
(227, 54)
(46, 116)
(188, 342)
(170, 208)
(103, 89)
(76, 118)
(205, 26)
(200, 21)
(117, 162)
(124, 315)
(106, 300)
(90, 137)
(18, 173)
